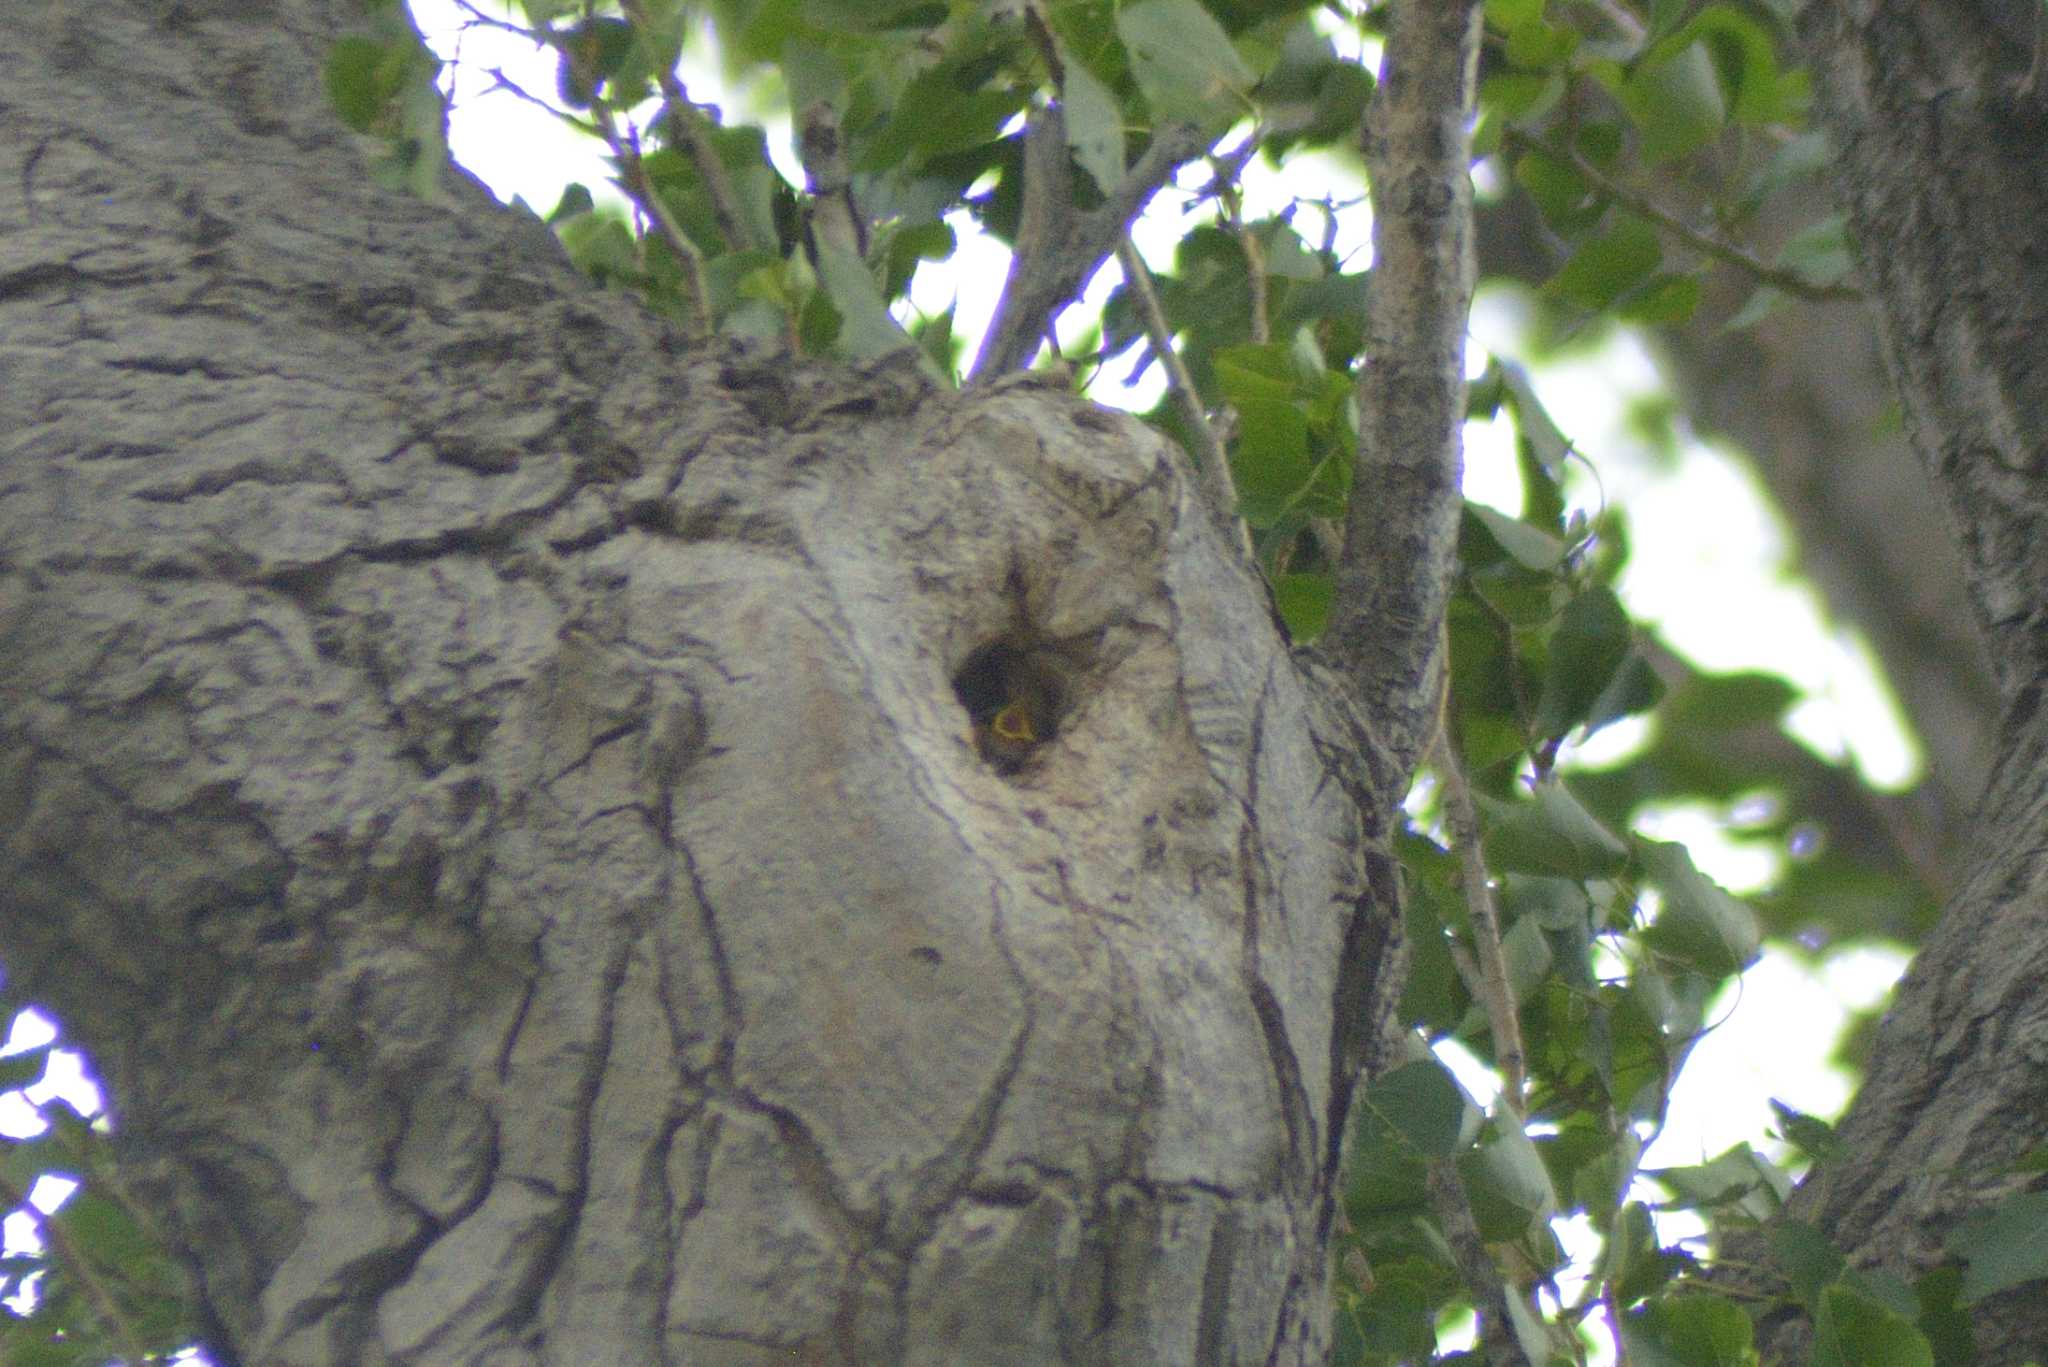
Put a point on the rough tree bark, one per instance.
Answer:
(1937, 111)
(496, 798)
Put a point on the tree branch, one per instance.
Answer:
(1490, 1291)
(688, 126)
(1215, 462)
(1647, 209)
(1494, 990)
(625, 146)
(1057, 251)
(1400, 536)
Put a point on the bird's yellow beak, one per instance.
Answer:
(1012, 725)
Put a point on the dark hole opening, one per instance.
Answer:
(1015, 694)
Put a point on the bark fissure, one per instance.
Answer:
(1946, 197)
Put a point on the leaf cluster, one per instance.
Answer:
(96, 1284)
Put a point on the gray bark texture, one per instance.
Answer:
(1388, 610)
(1938, 114)
(495, 796)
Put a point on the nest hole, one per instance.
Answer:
(1017, 693)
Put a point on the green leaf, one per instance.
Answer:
(1820, 252)
(1888, 1289)
(2034, 1159)
(602, 246)
(1529, 960)
(1740, 1181)
(1675, 98)
(1637, 1266)
(1252, 371)
(743, 152)
(1184, 62)
(575, 201)
(1435, 995)
(1537, 46)
(1094, 125)
(1559, 193)
(1304, 603)
(1397, 1319)
(1586, 653)
(935, 116)
(1762, 302)
(1851, 1330)
(1554, 904)
(1729, 702)
(1425, 1107)
(104, 1230)
(1270, 463)
(1341, 100)
(906, 246)
(20, 1070)
(1605, 268)
(28, 1343)
(1945, 1324)
(1634, 689)
(1812, 1136)
(358, 81)
(1520, 95)
(813, 74)
(936, 340)
(2005, 1247)
(1699, 923)
(1531, 548)
(1661, 299)
(1746, 64)
(1689, 1331)
(1801, 160)
(1550, 834)
(866, 330)
(1811, 1263)
(1508, 1185)
(1509, 15)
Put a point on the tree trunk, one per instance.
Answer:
(501, 798)
(1937, 112)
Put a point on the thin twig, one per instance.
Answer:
(500, 81)
(633, 176)
(1490, 1291)
(1778, 278)
(1496, 992)
(1215, 462)
(696, 139)
(479, 19)
(1254, 262)
(105, 1304)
